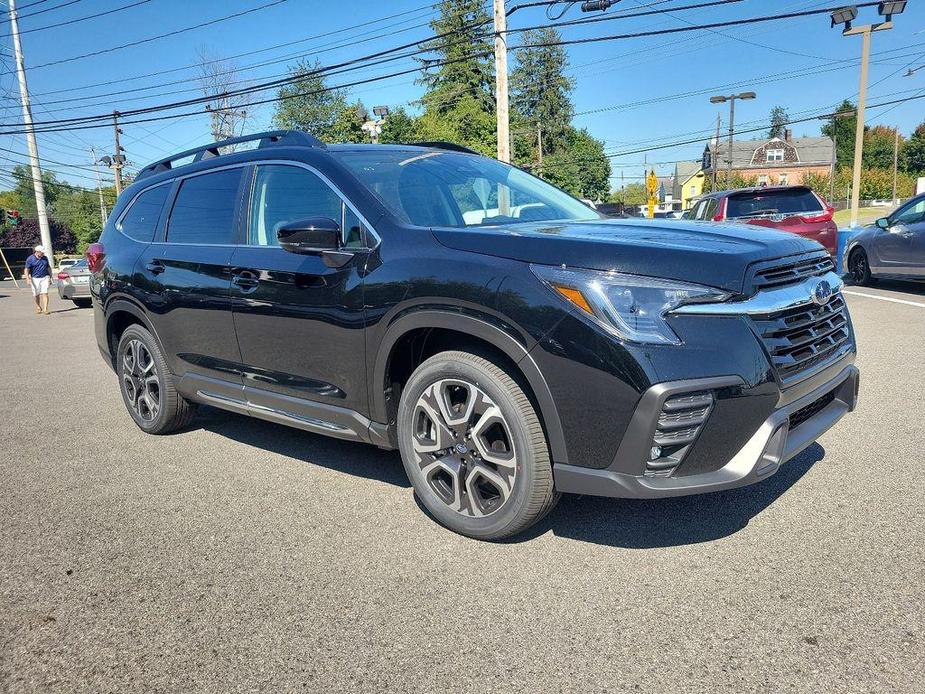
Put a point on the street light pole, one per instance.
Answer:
(731, 98)
(846, 16)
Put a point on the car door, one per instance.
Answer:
(187, 278)
(300, 322)
(900, 248)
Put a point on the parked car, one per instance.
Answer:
(796, 209)
(339, 289)
(65, 263)
(893, 247)
(74, 283)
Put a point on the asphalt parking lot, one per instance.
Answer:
(245, 556)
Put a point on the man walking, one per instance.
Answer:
(38, 275)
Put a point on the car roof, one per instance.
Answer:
(754, 189)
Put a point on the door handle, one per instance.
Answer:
(245, 281)
(155, 267)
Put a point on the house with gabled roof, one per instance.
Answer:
(777, 161)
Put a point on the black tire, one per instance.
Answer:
(138, 358)
(859, 267)
(82, 303)
(488, 510)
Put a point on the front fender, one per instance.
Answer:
(500, 335)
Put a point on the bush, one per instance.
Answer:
(27, 235)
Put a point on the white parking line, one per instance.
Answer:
(884, 298)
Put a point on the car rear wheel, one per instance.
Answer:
(473, 447)
(146, 385)
(859, 268)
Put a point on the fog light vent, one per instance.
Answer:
(679, 425)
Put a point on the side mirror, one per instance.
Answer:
(883, 223)
(309, 235)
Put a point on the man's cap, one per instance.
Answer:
(40, 248)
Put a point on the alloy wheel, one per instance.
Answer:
(140, 381)
(858, 267)
(464, 447)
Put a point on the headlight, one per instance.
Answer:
(631, 307)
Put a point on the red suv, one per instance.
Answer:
(796, 209)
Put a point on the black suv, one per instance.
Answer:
(510, 341)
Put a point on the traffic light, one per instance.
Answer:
(13, 218)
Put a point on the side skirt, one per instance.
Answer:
(316, 417)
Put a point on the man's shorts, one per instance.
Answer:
(39, 285)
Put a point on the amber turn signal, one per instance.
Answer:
(575, 296)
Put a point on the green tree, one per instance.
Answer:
(842, 130)
(580, 167)
(779, 120)
(631, 194)
(467, 124)
(464, 47)
(307, 104)
(540, 90)
(398, 128)
(912, 154)
(878, 147)
(79, 210)
(25, 190)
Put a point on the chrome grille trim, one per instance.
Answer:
(790, 273)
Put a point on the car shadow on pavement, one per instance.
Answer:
(358, 459)
(685, 520)
(904, 287)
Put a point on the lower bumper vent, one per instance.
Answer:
(811, 410)
(679, 425)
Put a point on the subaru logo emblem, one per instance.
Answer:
(821, 292)
(461, 448)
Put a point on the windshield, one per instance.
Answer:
(788, 201)
(449, 189)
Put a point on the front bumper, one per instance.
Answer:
(774, 442)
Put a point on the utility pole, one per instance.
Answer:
(732, 111)
(99, 187)
(539, 145)
(846, 15)
(713, 160)
(501, 89)
(38, 186)
(895, 165)
(117, 158)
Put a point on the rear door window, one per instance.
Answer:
(204, 210)
(772, 202)
(140, 221)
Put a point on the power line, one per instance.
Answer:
(47, 9)
(79, 19)
(149, 39)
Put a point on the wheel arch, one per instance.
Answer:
(414, 331)
(121, 313)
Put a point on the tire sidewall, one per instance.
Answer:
(512, 513)
(853, 259)
(134, 332)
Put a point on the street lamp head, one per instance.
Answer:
(891, 7)
(718, 99)
(746, 95)
(844, 15)
(381, 111)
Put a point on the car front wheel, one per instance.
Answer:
(859, 267)
(474, 448)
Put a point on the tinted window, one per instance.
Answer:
(790, 201)
(204, 209)
(911, 214)
(284, 194)
(141, 219)
(354, 231)
(709, 209)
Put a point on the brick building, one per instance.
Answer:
(775, 161)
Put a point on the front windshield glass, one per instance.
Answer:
(450, 189)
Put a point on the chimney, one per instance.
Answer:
(788, 134)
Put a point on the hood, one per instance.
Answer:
(707, 253)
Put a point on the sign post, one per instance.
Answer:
(652, 190)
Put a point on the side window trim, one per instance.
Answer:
(370, 234)
(160, 220)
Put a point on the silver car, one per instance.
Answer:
(74, 283)
(893, 247)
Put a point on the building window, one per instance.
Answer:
(693, 190)
(763, 180)
(775, 154)
(783, 179)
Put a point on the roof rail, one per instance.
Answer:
(451, 146)
(272, 138)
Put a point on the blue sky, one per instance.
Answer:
(632, 93)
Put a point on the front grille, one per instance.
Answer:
(790, 273)
(811, 410)
(679, 425)
(802, 338)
